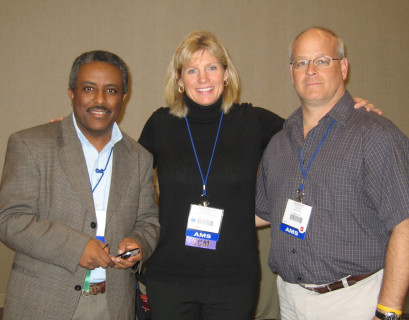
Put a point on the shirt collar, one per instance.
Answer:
(340, 112)
(342, 109)
(116, 134)
(201, 113)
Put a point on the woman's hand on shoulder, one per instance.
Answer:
(359, 103)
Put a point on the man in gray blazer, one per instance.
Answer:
(74, 194)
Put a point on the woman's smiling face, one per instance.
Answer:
(203, 78)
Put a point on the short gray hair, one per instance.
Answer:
(102, 56)
(340, 43)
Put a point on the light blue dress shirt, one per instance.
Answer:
(99, 160)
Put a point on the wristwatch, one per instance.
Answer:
(387, 316)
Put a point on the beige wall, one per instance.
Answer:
(39, 40)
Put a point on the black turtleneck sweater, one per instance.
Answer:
(244, 133)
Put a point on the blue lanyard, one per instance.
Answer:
(102, 170)
(304, 172)
(211, 158)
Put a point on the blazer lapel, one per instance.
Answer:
(122, 171)
(73, 161)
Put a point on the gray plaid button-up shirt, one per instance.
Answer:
(357, 186)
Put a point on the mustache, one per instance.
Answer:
(98, 107)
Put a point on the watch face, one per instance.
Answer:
(386, 316)
(391, 316)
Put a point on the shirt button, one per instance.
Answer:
(77, 287)
(299, 278)
(293, 251)
(93, 225)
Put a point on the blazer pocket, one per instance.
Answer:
(19, 268)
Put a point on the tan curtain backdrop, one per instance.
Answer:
(40, 39)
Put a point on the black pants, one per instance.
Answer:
(169, 301)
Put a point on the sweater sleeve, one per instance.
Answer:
(147, 138)
(270, 123)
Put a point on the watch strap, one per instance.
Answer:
(387, 316)
(387, 309)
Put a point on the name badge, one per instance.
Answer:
(203, 227)
(295, 219)
(101, 220)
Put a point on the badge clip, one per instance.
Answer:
(204, 200)
(300, 193)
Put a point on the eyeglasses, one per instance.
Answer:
(320, 62)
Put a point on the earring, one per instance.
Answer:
(226, 83)
(181, 89)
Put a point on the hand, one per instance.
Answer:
(127, 244)
(56, 120)
(359, 103)
(95, 255)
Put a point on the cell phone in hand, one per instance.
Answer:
(130, 253)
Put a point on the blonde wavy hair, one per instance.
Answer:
(193, 42)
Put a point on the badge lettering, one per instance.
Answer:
(201, 243)
(292, 231)
(202, 235)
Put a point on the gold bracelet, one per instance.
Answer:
(387, 309)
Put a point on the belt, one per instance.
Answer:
(346, 282)
(94, 289)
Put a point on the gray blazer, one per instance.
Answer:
(47, 216)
